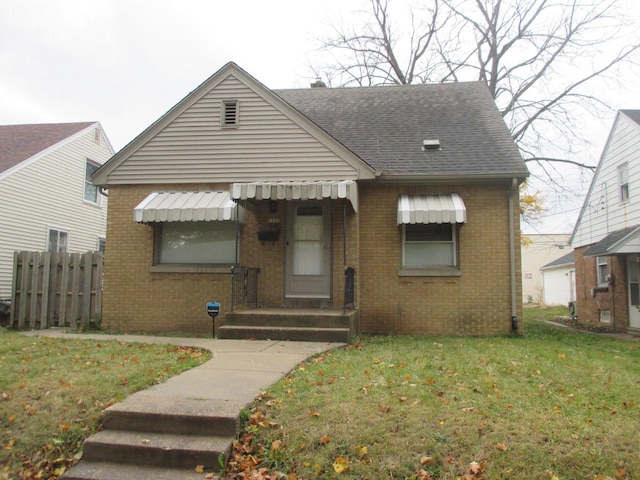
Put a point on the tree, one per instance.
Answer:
(539, 59)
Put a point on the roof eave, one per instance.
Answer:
(426, 178)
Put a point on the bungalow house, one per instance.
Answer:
(47, 201)
(606, 238)
(384, 210)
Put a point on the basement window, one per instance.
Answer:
(229, 117)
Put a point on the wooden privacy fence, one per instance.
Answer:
(56, 289)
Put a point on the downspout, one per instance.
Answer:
(512, 255)
(344, 252)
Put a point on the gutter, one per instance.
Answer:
(512, 255)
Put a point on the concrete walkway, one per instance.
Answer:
(238, 371)
(215, 391)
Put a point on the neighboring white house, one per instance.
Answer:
(539, 250)
(47, 201)
(559, 281)
(606, 239)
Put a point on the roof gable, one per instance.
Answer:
(603, 211)
(272, 141)
(20, 143)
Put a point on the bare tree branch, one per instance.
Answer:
(540, 60)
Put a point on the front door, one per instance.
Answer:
(633, 274)
(308, 244)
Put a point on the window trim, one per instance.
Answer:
(59, 230)
(601, 279)
(87, 182)
(433, 270)
(623, 183)
(224, 117)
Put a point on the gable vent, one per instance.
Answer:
(230, 113)
(431, 144)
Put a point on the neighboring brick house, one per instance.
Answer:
(408, 192)
(606, 238)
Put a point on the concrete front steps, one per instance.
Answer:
(153, 437)
(296, 324)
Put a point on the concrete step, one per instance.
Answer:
(142, 413)
(307, 334)
(115, 471)
(291, 318)
(156, 449)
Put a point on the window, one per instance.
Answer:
(229, 117)
(57, 241)
(623, 182)
(429, 245)
(601, 271)
(196, 242)
(90, 190)
(101, 243)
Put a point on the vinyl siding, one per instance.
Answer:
(266, 145)
(603, 212)
(50, 193)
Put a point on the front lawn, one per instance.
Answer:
(53, 392)
(553, 404)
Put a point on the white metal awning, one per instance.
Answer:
(431, 208)
(303, 190)
(186, 207)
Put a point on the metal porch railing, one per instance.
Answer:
(244, 286)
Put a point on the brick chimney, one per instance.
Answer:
(318, 83)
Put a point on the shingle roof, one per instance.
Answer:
(20, 142)
(633, 115)
(385, 126)
(602, 247)
(567, 259)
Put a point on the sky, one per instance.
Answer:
(124, 63)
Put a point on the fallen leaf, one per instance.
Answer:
(426, 461)
(361, 451)
(384, 408)
(340, 465)
(502, 447)
(324, 440)
(199, 469)
(276, 445)
(313, 413)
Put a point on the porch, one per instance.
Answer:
(301, 320)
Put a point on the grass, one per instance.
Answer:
(552, 404)
(53, 392)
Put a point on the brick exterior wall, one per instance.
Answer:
(137, 300)
(476, 303)
(614, 299)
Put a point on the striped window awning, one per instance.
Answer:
(303, 190)
(187, 207)
(431, 208)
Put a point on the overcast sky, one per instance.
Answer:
(126, 62)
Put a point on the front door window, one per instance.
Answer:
(308, 241)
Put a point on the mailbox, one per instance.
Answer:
(213, 309)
